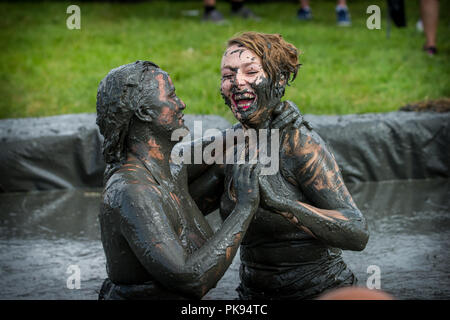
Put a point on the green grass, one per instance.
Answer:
(46, 69)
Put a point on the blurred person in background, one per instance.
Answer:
(342, 13)
(237, 10)
(429, 12)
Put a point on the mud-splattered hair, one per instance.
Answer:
(279, 58)
(118, 97)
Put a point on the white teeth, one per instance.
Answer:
(244, 96)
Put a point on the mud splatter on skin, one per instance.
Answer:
(154, 150)
(229, 51)
(229, 250)
(268, 98)
(328, 211)
(319, 170)
(252, 79)
(308, 194)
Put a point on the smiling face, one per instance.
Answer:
(241, 71)
(245, 86)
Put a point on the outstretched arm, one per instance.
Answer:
(151, 234)
(331, 214)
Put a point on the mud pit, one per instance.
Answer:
(408, 220)
(45, 228)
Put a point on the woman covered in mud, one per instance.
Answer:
(306, 214)
(158, 244)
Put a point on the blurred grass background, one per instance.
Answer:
(46, 69)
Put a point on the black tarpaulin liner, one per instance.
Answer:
(63, 152)
(60, 152)
(388, 146)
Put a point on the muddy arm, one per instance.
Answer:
(332, 216)
(154, 239)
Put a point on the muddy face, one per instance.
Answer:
(164, 106)
(246, 87)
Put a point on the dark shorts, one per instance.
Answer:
(145, 291)
(294, 283)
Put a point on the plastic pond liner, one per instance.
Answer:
(396, 166)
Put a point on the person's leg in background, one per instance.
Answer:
(429, 11)
(237, 9)
(211, 13)
(342, 13)
(304, 13)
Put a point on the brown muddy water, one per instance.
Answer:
(43, 233)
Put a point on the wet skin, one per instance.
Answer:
(305, 211)
(152, 231)
(244, 87)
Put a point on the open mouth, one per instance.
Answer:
(243, 101)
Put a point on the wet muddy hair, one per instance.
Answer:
(118, 97)
(279, 58)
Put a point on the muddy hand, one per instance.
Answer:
(246, 186)
(269, 199)
(287, 113)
